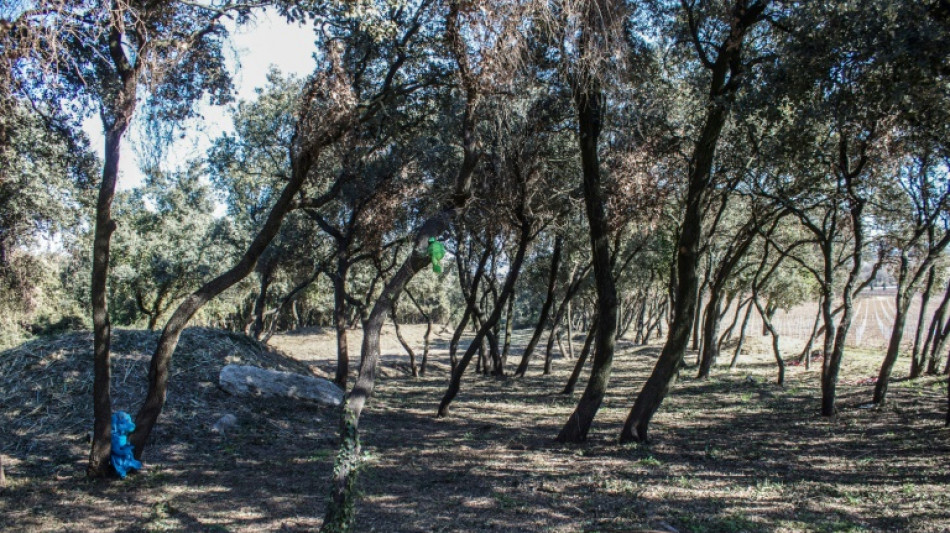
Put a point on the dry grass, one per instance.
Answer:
(733, 453)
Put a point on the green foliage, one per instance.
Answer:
(168, 242)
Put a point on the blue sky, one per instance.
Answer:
(268, 40)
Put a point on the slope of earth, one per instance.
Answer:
(194, 478)
(730, 454)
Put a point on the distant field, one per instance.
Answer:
(870, 328)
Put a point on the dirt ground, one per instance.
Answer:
(731, 454)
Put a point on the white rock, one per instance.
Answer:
(224, 424)
(253, 381)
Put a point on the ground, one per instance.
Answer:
(729, 454)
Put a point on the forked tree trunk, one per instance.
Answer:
(767, 321)
(102, 329)
(405, 345)
(937, 334)
(469, 303)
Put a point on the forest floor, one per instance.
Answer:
(730, 454)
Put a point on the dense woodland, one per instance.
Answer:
(656, 171)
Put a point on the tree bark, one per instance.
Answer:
(742, 330)
(493, 318)
(161, 358)
(581, 359)
(339, 321)
(589, 102)
(545, 308)
(725, 81)
(918, 356)
(339, 515)
(405, 345)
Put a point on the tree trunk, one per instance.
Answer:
(425, 341)
(493, 318)
(549, 349)
(893, 346)
(937, 334)
(806, 353)
(340, 509)
(918, 356)
(570, 331)
(339, 321)
(687, 287)
(545, 308)
(711, 321)
(260, 303)
(589, 102)
(905, 295)
(721, 95)
(508, 331)
(102, 328)
(405, 345)
(161, 359)
(581, 359)
(767, 322)
(742, 330)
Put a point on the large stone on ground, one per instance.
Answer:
(242, 380)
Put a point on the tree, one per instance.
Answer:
(726, 66)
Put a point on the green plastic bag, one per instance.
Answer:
(436, 251)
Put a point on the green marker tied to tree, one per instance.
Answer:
(436, 251)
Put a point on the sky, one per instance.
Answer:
(268, 40)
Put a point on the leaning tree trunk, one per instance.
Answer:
(918, 356)
(506, 292)
(405, 345)
(161, 358)
(589, 102)
(581, 359)
(724, 82)
(340, 509)
(545, 308)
